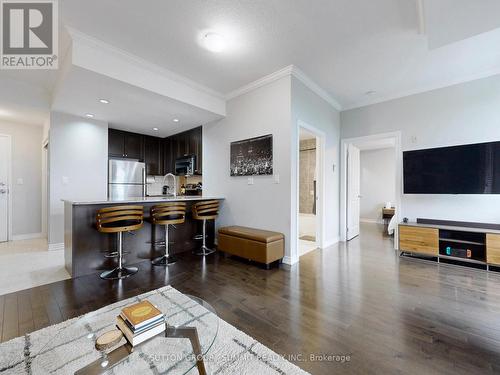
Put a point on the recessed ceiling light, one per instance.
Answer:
(156, 129)
(175, 120)
(214, 42)
(104, 101)
(89, 115)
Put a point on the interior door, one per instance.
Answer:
(353, 191)
(4, 188)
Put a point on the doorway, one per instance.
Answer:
(383, 186)
(5, 202)
(310, 211)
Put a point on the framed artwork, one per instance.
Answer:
(253, 156)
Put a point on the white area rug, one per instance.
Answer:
(68, 346)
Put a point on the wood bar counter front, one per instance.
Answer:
(85, 248)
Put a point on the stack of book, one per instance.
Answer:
(140, 322)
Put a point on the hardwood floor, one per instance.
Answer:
(388, 314)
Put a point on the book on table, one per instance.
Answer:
(140, 322)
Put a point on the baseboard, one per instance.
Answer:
(27, 236)
(331, 242)
(288, 260)
(373, 221)
(56, 246)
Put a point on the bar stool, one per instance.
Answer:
(167, 214)
(119, 219)
(205, 210)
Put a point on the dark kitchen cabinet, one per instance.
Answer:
(195, 147)
(116, 143)
(182, 144)
(153, 155)
(134, 146)
(123, 144)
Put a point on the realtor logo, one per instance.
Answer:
(29, 37)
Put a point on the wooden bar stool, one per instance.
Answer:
(205, 210)
(167, 214)
(119, 219)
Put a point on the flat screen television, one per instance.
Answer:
(467, 169)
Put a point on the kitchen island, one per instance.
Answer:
(85, 248)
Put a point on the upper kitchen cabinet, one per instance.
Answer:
(182, 144)
(195, 147)
(123, 144)
(153, 155)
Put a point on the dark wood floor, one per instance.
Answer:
(390, 315)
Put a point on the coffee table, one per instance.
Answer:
(192, 327)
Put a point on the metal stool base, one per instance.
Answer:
(119, 273)
(164, 260)
(204, 251)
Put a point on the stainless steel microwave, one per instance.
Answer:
(185, 165)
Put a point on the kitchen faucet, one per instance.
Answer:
(175, 183)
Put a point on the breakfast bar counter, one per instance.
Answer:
(85, 248)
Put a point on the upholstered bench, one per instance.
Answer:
(259, 245)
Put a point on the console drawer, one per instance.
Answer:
(493, 248)
(419, 240)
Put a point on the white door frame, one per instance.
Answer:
(343, 176)
(9, 185)
(320, 188)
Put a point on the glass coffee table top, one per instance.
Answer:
(192, 327)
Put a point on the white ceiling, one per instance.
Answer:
(130, 108)
(349, 47)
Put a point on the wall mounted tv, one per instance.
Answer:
(467, 169)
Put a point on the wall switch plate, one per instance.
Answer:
(20, 181)
(250, 180)
(65, 180)
(276, 178)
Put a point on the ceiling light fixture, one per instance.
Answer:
(156, 129)
(371, 92)
(89, 115)
(214, 42)
(104, 101)
(175, 120)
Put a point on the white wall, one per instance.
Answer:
(465, 113)
(77, 166)
(378, 174)
(311, 109)
(27, 166)
(265, 204)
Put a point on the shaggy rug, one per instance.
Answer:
(69, 346)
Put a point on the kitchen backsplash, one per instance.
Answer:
(155, 183)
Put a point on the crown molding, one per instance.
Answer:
(136, 60)
(313, 86)
(286, 71)
(289, 70)
(423, 89)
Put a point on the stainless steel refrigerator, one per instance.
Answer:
(126, 179)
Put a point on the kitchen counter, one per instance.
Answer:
(152, 199)
(85, 247)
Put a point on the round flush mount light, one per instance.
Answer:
(89, 115)
(175, 120)
(370, 92)
(104, 101)
(156, 129)
(214, 42)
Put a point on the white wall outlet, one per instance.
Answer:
(276, 178)
(250, 180)
(20, 181)
(65, 180)
(413, 139)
